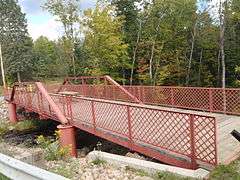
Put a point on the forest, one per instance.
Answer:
(146, 42)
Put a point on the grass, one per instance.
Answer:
(226, 172)
(2, 177)
(5, 126)
(98, 162)
(63, 171)
(169, 176)
(138, 172)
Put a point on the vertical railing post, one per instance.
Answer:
(93, 115)
(210, 100)
(105, 88)
(172, 96)
(224, 101)
(139, 93)
(69, 108)
(129, 128)
(192, 142)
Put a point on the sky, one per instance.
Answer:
(40, 22)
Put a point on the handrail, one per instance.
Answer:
(106, 79)
(123, 89)
(53, 105)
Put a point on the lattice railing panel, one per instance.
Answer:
(232, 101)
(82, 111)
(205, 139)
(112, 117)
(163, 129)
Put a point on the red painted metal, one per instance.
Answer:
(181, 139)
(203, 99)
(67, 138)
(12, 112)
(52, 104)
(103, 81)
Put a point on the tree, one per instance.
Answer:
(49, 61)
(132, 27)
(104, 44)
(16, 43)
(68, 13)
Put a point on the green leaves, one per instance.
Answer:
(16, 44)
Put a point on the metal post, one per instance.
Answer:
(224, 101)
(67, 138)
(12, 112)
(172, 97)
(192, 141)
(210, 100)
(93, 115)
(129, 127)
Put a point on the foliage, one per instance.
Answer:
(63, 171)
(161, 42)
(98, 161)
(2, 177)
(15, 41)
(138, 172)
(169, 176)
(52, 149)
(225, 172)
(107, 52)
(49, 59)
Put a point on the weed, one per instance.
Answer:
(52, 149)
(225, 172)
(169, 176)
(138, 172)
(25, 125)
(63, 171)
(2, 177)
(98, 161)
(4, 127)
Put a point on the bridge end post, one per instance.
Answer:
(67, 138)
(12, 112)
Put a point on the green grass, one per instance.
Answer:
(138, 172)
(98, 162)
(2, 177)
(63, 171)
(169, 176)
(226, 172)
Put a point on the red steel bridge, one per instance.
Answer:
(131, 116)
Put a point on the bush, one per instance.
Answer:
(52, 149)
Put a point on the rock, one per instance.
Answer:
(135, 155)
(83, 152)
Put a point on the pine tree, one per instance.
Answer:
(16, 43)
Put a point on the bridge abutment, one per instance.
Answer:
(12, 112)
(67, 138)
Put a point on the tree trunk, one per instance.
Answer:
(222, 32)
(200, 68)
(135, 52)
(18, 77)
(219, 67)
(191, 53)
(151, 62)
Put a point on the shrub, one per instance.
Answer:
(52, 149)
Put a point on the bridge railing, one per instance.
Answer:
(189, 135)
(145, 129)
(205, 99)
